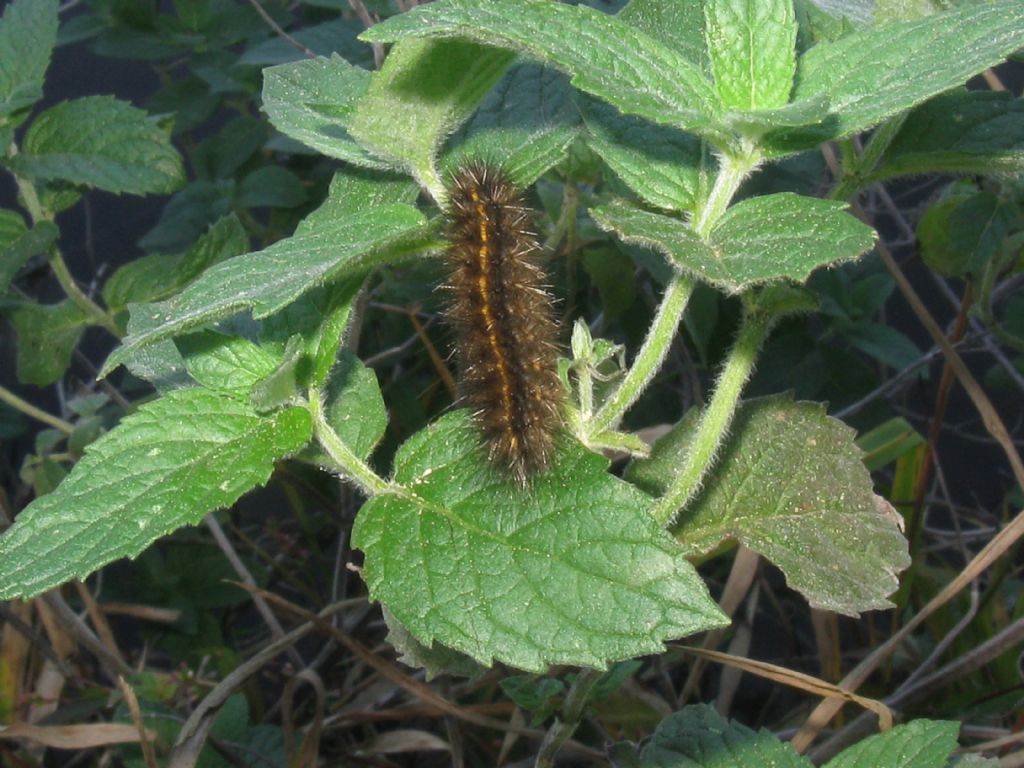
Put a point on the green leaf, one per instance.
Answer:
(28, 32)
(99, 141)
(959, 132)
(19, 244)
(791, 485)
(312, 101)
(321, 317)
(158, 276)
(528, 120)
(677, 24)
(353, 230)
(165, 466)
(227, 364)
(188, 214)
(606, 57)
(919, 744)
(663, 165)
(757, 240)
(271, 187)
(425, 89)
(47, 337)
(752, 49)
(875, 73)
(698, 737)
(962, 233)
(887, 442)
(572, 571)
(283, 384)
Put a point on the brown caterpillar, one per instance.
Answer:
(504, 321)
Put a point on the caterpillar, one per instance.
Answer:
(504, 321)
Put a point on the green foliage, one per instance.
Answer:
(282, 310)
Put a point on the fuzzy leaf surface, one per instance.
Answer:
(918, 744)
(875, 73)
(100, 141)
(606, 57)
(28, 32)
(698, 737)
(165, 466)
(757, 240)
(573, 570)
(312, 101)
(18, 244)
(791, 485)
(751, 45)
(359, 225)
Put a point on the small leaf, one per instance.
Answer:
(875, 73)
(758, 240)
(28, 32)
(791, 485)
(282, 386)
(528, 120)
(425, 90)
(312, 101)
(698, 737)
(751, 45)
(354, 406)
(919, 744)
(961, 234)
(605, 56)
(354, 229)
(227, 364)
(18, 244)
(434, 661)
(47, 337)
(572, 571)
(661, 164)
(271, 187)
(959, 132)
(99, 141)
(165, 466)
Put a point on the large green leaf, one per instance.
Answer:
(312, 101)
(751, 45)
(919, 744)
(791, 484)
(677, 24)
(28, 32)
(100, 141)
(358, 226)
(605, 56)
(875, 73)
(424, 91)
(757, 240)
(573, 570)
(959, 132)
(167, 465)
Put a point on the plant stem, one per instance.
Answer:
(572, 712)
(57, 264)
(714, 422)
(649, 358)
(347, 462)
(36, 413)
(731, 172)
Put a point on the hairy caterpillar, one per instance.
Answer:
(504, 321)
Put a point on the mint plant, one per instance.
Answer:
(682, 103)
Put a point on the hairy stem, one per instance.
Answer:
(714, 422)
(650, 357)
(346, 461)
